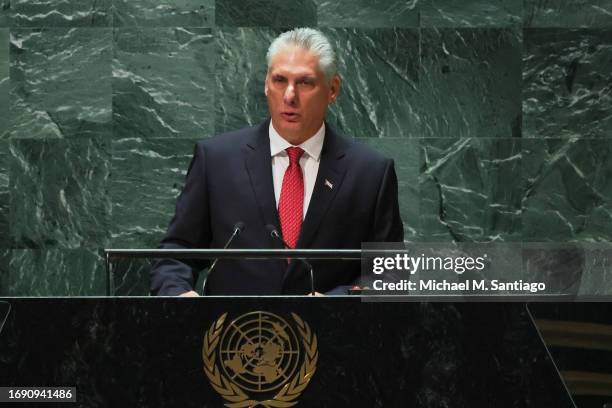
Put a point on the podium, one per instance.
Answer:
(323, 352)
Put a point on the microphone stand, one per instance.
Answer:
(274, 233)
(238, 227)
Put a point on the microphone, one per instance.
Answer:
(277, 236)
(238, 228)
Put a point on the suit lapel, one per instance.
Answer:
(258, 163)
(329, 179)
(259, 167)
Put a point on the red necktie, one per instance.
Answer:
(291, 202)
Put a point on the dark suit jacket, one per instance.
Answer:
(230, 180)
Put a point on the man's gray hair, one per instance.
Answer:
(308, 39)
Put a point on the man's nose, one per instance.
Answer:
(290, 97)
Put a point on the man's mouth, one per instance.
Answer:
(290, 116)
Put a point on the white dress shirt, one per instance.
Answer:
(309, 162)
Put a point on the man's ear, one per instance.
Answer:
(266, 86)
(334, 88)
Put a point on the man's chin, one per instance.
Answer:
(289, 128)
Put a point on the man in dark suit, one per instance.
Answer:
(294, 172)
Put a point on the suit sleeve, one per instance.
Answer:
(387, 225)
(189, 229)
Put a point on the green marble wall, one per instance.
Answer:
(498, 115)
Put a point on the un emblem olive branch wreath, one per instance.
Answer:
(293, 389)
(218, 381)
(235, 396)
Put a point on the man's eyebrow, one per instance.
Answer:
(301, 76)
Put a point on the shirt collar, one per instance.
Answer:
(312, 146)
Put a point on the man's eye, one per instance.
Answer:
(279, 79)
(306, 82)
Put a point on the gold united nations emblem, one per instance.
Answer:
(258, 359)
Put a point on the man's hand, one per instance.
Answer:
(191, 293)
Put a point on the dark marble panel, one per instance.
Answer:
(568, 13)
(419, 355)
(60, 83)
(469, 190)
(597, 276)
(568, 358)
(56, 272)
(131, 277)
(562, 267)
(568, 185)
(590, 312)
(4, 194)
(470, 83)
(567, 83)
(367, 13)
(271, 13)
(379, 70)
(163, 82)
(4, 107)
(148, 175)
(57, 13)
(378, 67)
(5, 7)
(405, 154)
(471, 13)
(155, 13)
(4, 80)
(58, 193)
(240, 73)
(591, 401)
(5, 258)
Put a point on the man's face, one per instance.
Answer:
(298, 93)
